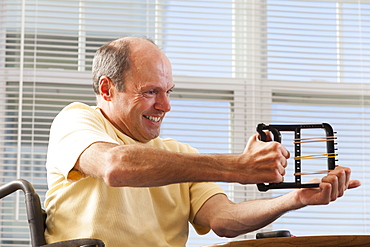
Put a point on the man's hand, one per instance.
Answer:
(331, 187)
(265, 162)
(230, 219)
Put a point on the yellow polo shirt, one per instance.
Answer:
(85, 207)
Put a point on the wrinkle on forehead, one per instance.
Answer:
(150, 60)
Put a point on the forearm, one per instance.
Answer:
(229, 220)
(139, 165)
(143, 165)
(236, 219)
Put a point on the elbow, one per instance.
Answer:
(111, 178)
(224, 232)
(221, 230)
(116, 177)
(115, 174)
(122, 167)
(231, 228)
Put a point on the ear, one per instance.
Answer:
(105, 86)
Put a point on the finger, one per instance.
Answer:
(354, 184)
(326, 193)
(284, 163)
(280, 180)
(267, 134)
(342, 183)
(344, 178)
(347, 170)
(341, 178)
(285, 158)
(348, 175)
(285, 152)
(332, 179)
(282, 170)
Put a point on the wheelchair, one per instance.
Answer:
(36, 217)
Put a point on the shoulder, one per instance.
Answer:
(77, 110)
(79, 106)
(78, 116)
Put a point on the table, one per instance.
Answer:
(307, 241)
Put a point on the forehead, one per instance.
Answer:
(150, 69)
(141, 85)
(149, 80)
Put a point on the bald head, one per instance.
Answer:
(114, 59)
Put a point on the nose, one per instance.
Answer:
(163, 103)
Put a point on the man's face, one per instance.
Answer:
(141, 107)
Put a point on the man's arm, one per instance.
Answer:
(227, 219)
(142, 165)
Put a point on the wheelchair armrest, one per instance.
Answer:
(83, 242)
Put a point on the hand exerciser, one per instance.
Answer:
(330, 155)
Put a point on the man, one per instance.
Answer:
(111, 177)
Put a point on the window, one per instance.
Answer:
(350, 117)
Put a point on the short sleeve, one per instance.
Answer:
(74, 129)
(200, 193)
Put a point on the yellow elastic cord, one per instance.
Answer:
(315, 139)
(316, 156)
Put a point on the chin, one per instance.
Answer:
(149, 138)
(154, 136)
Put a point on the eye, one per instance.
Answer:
(169, 92)
(149, 93)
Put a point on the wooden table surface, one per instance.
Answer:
(307, 241)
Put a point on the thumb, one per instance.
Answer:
(268, 136)
(354, 184)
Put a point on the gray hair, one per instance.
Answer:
(112, 60)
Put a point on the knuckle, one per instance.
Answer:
(326, 202)
(275, 145)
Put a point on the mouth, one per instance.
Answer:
(154, 119)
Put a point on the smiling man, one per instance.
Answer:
(111, 177)
(145, 98)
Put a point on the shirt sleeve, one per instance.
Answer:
(200, 193)
(73, 130)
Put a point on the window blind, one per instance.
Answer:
(235, 64)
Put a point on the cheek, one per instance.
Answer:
(133, 110)
(142, 104)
